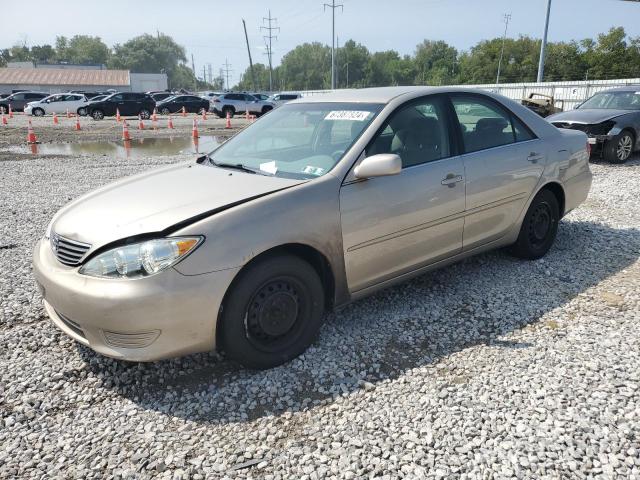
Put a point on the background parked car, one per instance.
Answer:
(239, 103)
(58, 103)
(19, 100)
(191, 104)
(611, 119)
(261, 96)
(282, 98)
(128, 103)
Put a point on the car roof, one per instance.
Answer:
(379, 94)
(628, 88)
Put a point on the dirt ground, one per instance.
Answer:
(14, 134)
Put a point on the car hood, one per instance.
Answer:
(158, 200)
(587, 115)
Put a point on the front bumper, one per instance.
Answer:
(28, 110)
(162, 316)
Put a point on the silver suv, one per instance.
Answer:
(239, 103)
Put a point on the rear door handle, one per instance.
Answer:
(534, 157)
(451, 180)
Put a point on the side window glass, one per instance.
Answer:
(417, 132)
(483, 124)
(522, 133)
(117, 98)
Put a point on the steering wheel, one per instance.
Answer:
(337, 155)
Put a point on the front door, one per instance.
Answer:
(503, 161)
(395, 224)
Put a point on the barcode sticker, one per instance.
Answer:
(353, 115)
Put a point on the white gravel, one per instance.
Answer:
(492, 368)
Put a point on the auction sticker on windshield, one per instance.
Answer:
(352, 115)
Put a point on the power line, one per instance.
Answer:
(333, 7)
(507, 19)
(227, 70)
(268, 39)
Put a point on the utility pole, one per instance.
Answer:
(333, 7)
(268, 39)
(246, 37)
(543, 47)
(210, 73)
(507, 19)
(195, 78)
(227, 70)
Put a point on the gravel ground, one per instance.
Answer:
(491, 368)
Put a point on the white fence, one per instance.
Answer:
(567, 94)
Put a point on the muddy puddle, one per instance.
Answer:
(136, 148)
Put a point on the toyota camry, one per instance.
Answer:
(323, 201)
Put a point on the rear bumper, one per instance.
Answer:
(577, 189)
(147, 319)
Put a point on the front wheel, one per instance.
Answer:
(539, 227)
(97, 114)
(145, 114)
(165, 111)
(619, 148)
(37, 112)
(272, 312)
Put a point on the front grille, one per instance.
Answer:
(68, 252)
(71, 324)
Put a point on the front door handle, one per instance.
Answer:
(451, 179)
(534, 157)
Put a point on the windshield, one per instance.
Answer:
(304, 140)
(614, 100)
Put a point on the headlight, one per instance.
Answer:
(141, 259)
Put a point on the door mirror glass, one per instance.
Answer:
(379, 165)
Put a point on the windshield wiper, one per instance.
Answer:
(235, 166)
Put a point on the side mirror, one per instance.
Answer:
(379, 165)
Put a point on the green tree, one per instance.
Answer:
(82, 49)
(564, 61)
(153, 54)
(436, 62)
(43, 54)
(306, 67)
(612, 56)
(380, 68)
(352, 61)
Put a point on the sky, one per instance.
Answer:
(212, 31)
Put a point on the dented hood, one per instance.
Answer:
(158, 200)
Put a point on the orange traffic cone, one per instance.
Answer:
(31, 136)
(154, 117)
(194, 132)
(204, 114)
(78, 124)
(10, 111)
(140, 123)
(4, 119)
(228, 124)
(184, 112)
(125, 131)
(68, 115)
(117, 115)
(55, 119)
(170, 124)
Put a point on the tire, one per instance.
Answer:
(37, 112)
(620, 147)
(97, 114)
(145, 114)
(82, 111)
(539, 227)
(272, 312)
(231, 111)
(165, 111)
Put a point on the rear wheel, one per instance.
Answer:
(266, 109)
(145, 114)
(82, 111)
(539, 227)
(165, 111)
(37, 112)
(272, 312)
(619, 148)
(228, 110)
(97, 114)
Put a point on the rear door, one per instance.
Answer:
(503, 162)
(396, 224)
(17, 101)
(117, 101)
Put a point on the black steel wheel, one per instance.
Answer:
(539, 227)
(272, 312)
